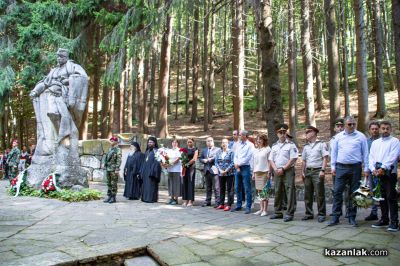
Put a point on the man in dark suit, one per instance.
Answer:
(210, 172)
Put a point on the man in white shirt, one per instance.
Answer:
(383, 158)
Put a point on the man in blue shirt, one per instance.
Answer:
(242, 158)
(349, 152)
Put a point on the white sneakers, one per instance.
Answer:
(261, 213)
(258, 212)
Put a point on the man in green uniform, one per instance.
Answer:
(282, 159)
(315, 158)
(112, 164)
(13, 160)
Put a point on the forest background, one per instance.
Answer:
(205, 67)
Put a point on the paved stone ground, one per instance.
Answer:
(36, 231)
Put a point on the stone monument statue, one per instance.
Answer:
(59, 101)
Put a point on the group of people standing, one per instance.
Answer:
(14, 160)
(245, 168)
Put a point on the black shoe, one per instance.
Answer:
(334, 221)
(321, 219)
(285, 208)
(236, 209)
(380, 224)
(112, 200)
(393, 227)
(288, 219)
(371, 217)
(276, 216)
(205, 204)
(305, 218)
(107, 199)
(353, 222)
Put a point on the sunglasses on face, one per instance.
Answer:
(281, 132)
(351, 124)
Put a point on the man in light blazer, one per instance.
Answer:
(207, 157)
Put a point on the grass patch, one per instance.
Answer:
(85, 194)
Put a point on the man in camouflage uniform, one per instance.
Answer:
(112, 164)
(13, 160)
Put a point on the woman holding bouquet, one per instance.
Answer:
(174, 168)
(260, 168)
(189, 175)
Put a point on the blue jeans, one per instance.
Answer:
(242, 178)
(346, 173)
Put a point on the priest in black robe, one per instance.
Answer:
(133, 180)
(150, 172)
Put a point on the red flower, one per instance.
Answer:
(13, 182)
(183, 150)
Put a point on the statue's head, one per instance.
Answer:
(62, 56)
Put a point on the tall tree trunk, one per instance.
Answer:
(140, 91)
(195, 61)
(269, 67)
(187, 68)
(162, 121)
(154, 66)
(380, 93)
(238, 67)
(396, 33)
(146, 83)
(96, 83)
(333, 62)
(345, 77)
(116, 126)
(223, 77)
(204, 60)
(105, 107)
(129, 113)
(315, 49)
(307, 63)
(361, 67)
(386, 46)
(111, 114)
(292, 71)
(211, 71)
(178, 70)
(123, 93)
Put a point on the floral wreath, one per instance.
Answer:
(50, 183)
(18, 181)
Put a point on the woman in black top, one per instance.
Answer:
(190, 174)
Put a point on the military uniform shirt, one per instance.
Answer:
(113, 159)
(281, 153)
(13, 157)
(313, 153)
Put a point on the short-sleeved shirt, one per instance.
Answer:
(282, 152)
(313, 153)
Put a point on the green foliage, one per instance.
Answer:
(85, 194)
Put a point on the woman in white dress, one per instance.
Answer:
(261, 169)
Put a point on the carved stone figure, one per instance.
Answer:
(59, 101)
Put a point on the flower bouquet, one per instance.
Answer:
(50, 183)
(184, 160)
(266, 191)
(363, 196)
(162, 156)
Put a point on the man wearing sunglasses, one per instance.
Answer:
(349, 153)
(282, 158)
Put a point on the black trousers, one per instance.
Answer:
(389, 193)
(226, 184)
